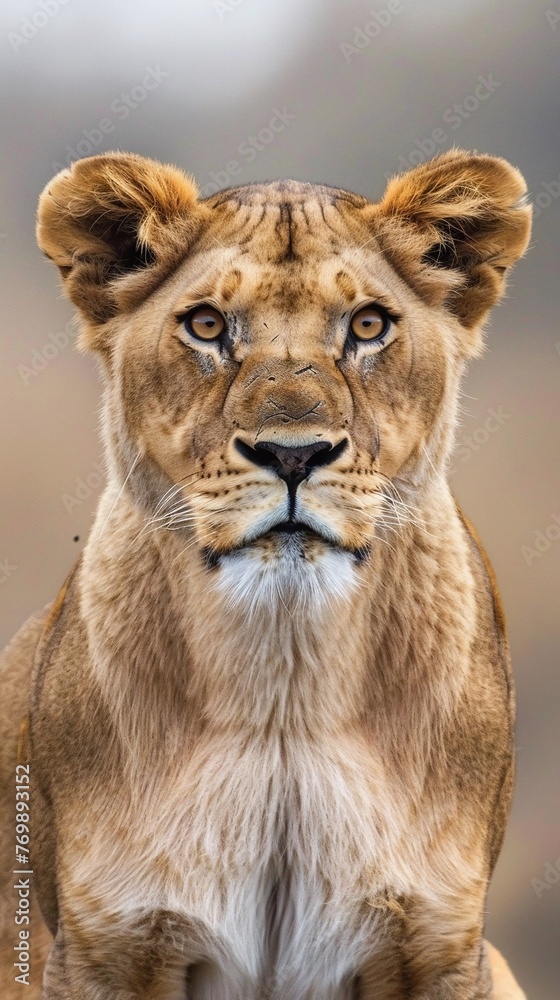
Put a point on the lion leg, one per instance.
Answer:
(386, 980)
(468, 979)
(70, 975)
(494, 980)
(83, 968)
(15, 672)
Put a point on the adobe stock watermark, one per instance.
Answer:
(22, 885)
(225, 7)
(454, 116)
(549, 193)
(553, 17)
(468, 444)
(85, 487)
(551, 877)
(30, 26)
(248, 150)
(120, 108)
(379, 19)
(42, 357)
(6, 570)
(543, 541)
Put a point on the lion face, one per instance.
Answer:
(283, 359)
(284, 429)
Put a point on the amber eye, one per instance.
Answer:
(205, 322)
(369, 323)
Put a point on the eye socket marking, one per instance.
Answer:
(370, 323)
(204, 322)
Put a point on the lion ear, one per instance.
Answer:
(115, 225)
(452, 228)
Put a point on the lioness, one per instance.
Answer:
(269, 729)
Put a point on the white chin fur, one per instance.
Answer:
(287, 581)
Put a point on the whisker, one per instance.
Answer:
(174, 490)
(119, 494)
(429, 460)
(151, 525)
(180, 508)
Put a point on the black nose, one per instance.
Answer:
(293, 465)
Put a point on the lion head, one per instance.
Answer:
(282, 360)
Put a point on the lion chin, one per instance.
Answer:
(290, 567)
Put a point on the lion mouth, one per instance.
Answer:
(297, 531)
(305, 533)
(293, 527)
(294, 532)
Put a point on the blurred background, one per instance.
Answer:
(347, 94)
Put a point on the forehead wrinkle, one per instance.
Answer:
(289, 231)
(233, 218)
(243, 276)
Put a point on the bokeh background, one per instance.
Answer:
(356, 90)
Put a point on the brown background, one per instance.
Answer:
(356, 115)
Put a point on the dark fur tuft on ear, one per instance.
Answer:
(116, 224)
(453, 227)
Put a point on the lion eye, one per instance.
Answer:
(205, 322)
(369, 323)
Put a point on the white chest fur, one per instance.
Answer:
(291, 830)
(283, 792)
(264, 857)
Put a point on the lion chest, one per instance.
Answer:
(262, 855)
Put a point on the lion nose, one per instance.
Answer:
(292, 464)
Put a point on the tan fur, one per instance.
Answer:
(274, 765)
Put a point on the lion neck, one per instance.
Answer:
(161, 625)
